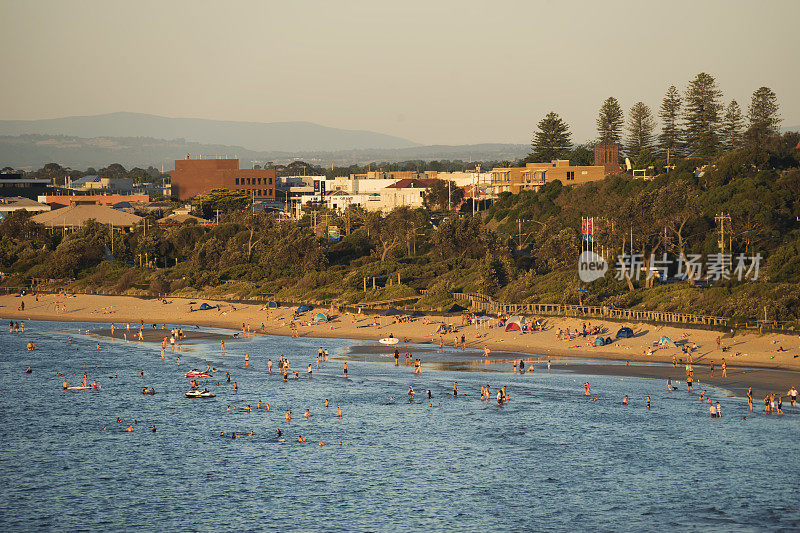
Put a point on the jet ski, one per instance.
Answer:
(200, 394)
(197, 374)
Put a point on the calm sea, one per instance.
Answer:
(548, 460)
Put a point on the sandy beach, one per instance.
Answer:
(767, 362)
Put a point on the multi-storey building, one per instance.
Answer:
(199, 176)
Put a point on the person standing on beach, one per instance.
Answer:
(719, 341)
(724, 368)
(712, 369)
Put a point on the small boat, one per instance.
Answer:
(197, 374)
(205, 393)
(389, 340)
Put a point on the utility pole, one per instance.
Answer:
(449, 203)
(721, 219)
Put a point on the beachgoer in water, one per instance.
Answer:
(712, 410)
(28, 370)
(587, 389)
(246, 359)
(269, 366)
(625, 400)
(306, 414)
(455, 388)
(344, 368)
(288, 416)
(719, 411)
(326, 403)
(338, 412)
(648, 402)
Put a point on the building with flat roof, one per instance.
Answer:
(200, 176)
(15, 184)
(533, 175)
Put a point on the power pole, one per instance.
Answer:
(721, 219)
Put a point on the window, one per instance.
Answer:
(237, 181)
(571, 175)
(270, 181)
(259, 181)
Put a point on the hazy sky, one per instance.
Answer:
(431, 71)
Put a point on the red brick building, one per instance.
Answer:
(607, 155)
(199, 176)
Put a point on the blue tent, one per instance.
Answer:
(204, 307)
(320, 317)
(599, 341)
(272, 305)
(665, 340)
(625, 333)
(303, 308)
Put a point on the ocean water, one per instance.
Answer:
(550, 459)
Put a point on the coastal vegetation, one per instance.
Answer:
(523, 249)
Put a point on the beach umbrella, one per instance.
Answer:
(320, 317)
(391, 312)
(625, 333)
(303, 308)
(665, 340)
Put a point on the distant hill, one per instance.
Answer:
(31, 152)
(258, 136)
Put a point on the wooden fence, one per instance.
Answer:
(485, 304)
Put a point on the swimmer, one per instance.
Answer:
(129, 428)
(267, 407)
(306, 414)
(648, 402)
(65, 385)
(455, 388)
(279, 433)
(28, 370)
(587, 389)
(235, 386)
(338, 412)
(344, 369)
(246, 360)
(288, 416)
(625, 400)
(326, 403)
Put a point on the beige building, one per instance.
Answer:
(533, 175)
